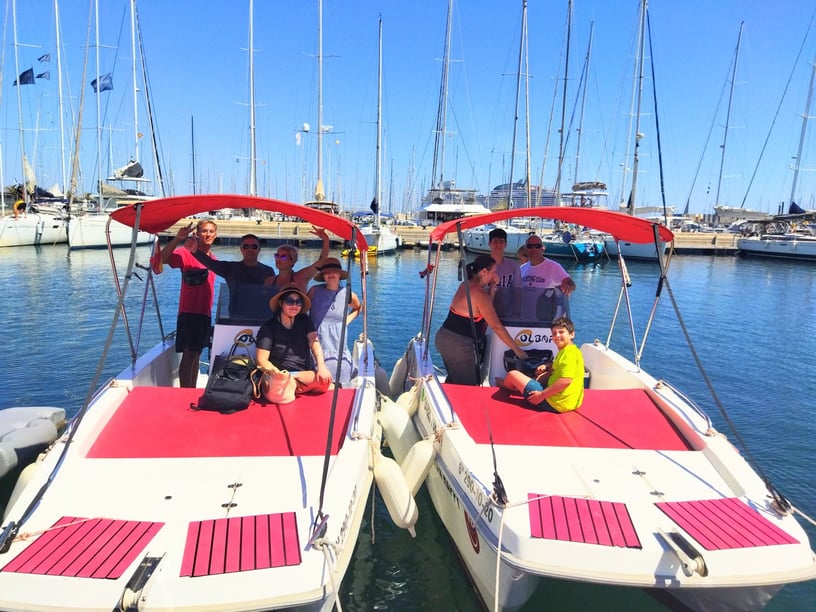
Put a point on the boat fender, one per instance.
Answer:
(398, 377)
(398, 428)
(395, 492)
(26, 474)
(410, 400)
(381, 380)
(417, 463)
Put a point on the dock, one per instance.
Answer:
(274, 233)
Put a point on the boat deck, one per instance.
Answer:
(158, 422)
(608, 418)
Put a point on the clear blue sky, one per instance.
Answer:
(197, 62)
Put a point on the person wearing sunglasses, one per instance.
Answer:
(286, 256)
(288, 341)
(538, 275)
(194, 321)
(249, 281)
(462, 338)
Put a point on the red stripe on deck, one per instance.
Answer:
(726, 523)
(575, 519)
(157, 422)
(85, 548)
(239, 544)
(608, 418)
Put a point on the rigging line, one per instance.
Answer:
(657, 124)
(784, 504)
(778, 108)
(336, 390)
(705, 146)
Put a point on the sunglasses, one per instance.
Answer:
(293, 301)
(281, 256)
(534, 246)
(247, 247)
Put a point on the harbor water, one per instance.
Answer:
(751, 323)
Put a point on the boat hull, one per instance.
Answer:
(804, 250)
(90, 231)
(632, 250)
(32, 229)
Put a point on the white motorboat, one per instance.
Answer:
(33, 228)
(635, 488)
(791, 245)
(148, 504)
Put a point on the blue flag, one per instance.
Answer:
(44, 58)
(26, 77)
(105, 83)
(45, 75)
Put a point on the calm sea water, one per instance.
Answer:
(752, 324)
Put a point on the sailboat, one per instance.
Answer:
(616, 247)
(444, 199)
(93, 229)
(32, 216)
(778, 238)
(381, 238)
(320, 202)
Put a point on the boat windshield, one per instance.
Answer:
(533, 307)
(249, 305)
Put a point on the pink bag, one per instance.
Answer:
(278, 386)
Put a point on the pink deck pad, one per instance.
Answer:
(574, 519)
(719, 524)
(85, 548)
(157, 422)
(608, 418)
(241, 544)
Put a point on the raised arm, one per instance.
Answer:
(304, 275)
(178, 239)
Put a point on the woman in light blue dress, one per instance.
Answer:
(329, 305)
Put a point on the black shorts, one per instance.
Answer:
(192, 332)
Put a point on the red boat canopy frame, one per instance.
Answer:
(621, 226)
(160, 214)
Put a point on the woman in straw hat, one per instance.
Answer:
(288, 341)
(330, 303)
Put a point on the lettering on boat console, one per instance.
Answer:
(526, 337)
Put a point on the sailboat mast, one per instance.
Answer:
(253, 180)
(134, 77)
(563, 109)
(319, 192)
(100, 203)
(516, 107)
(193, 149)
(728, 113)
(442, 110)
(63, 160)
(805, 117)
(378, 164)
(641, 45)
(19, 101)
(583, 99)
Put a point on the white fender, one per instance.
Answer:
(410, 400)
(26, 474)
(395, 492)
(417, 463)
(398, 428)
(381, 380)
(398, 376)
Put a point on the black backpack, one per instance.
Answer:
(229, 388)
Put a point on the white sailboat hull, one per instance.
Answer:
(382, 237)
(32, 229)
(632, 250)
(782, 248)
(90, 231)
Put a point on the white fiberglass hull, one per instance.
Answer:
(782, 248)
(606, 470)
(382, 238)
(32, 229)
(632, 250)
(89, 231)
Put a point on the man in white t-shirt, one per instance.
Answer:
(540, 273)
(507, 296)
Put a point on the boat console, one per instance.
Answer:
(251, 310)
